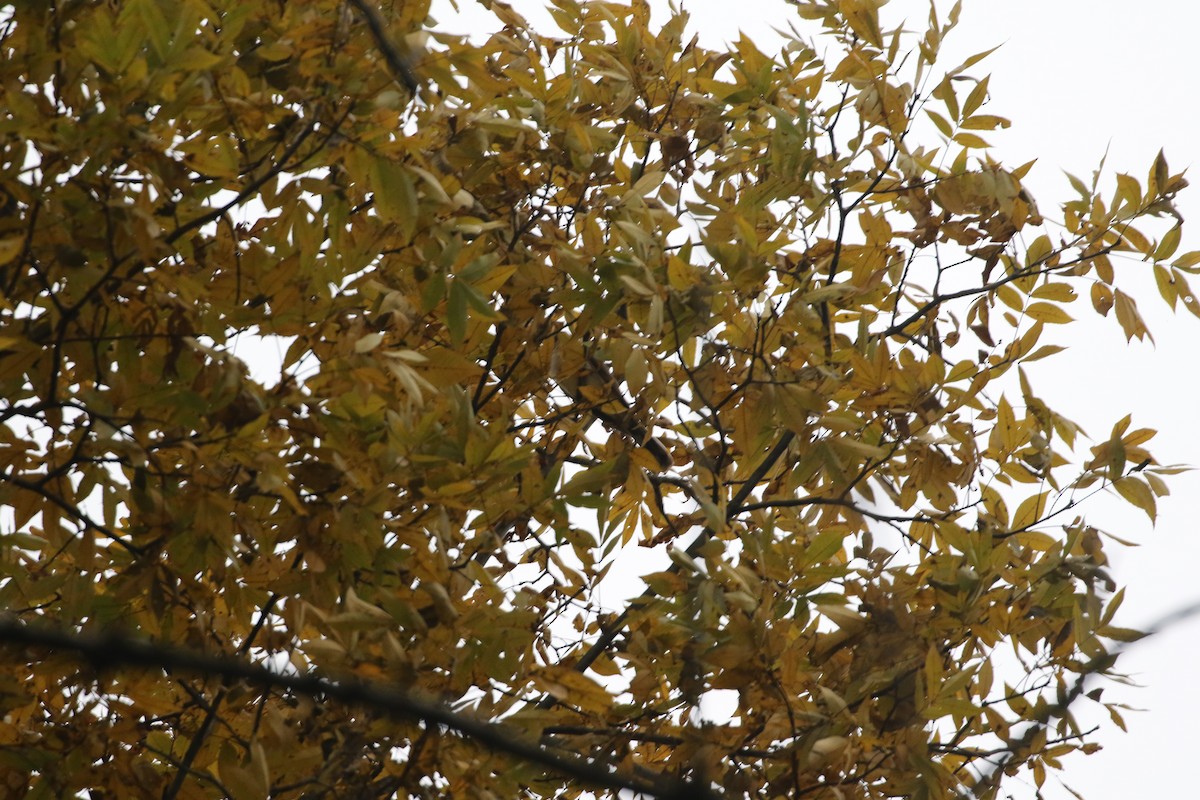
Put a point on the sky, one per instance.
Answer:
(1079, 78)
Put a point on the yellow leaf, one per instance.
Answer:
(213, 158)
(1102, 298)
(1058, 292)
(933, 672)
(573, 688)
(1129, 318)
(1189, 259)
(863, 17)
(861, 448)
(637, 286)
(985, 122)
(435, 186)
(636, 370)
(444, 366)
(1169, 244)
(1121, 634)
(1036, 540)
(970, 140)
(1128, 190)
(241, 781)
(842, 616)
(1136, 492)
(973, 60)
(395, 195)
(825, 749)
(1043, 351)
(940, 123)
(1031, 510)
(1139, 436)
(10, 248)
(1038, 251)
(1166, 285)
(1135, 240)
(1010, 297)
(493, 279)
(1048, 312)
(648, 183)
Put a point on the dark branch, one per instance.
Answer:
(109, 649)
(397, 63)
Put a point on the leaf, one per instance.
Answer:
(1010, 297)
(637, 286)
(1057, 292)
(243, 781)
(590, 480)
(970, 140)
(368, 343)
(863, 18)
(457, 303)
(1031, 511)
(1129, 191)
(1102, 298)
(154, 23)
(10, 248)
(973, 60)
(1044, 351)
(1166, 285)
(1137, 493)
(1169, 244)
(984, 122)
(1047, 312)
(823, 547)
(1038, 251)
(395, 195)
(1128, 317)
(1187, 260)
(443, 367)
(940, 122)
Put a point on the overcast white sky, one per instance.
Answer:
(1078, 77)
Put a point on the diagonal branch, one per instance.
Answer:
(397, 63)
(109, 649)
(75, 511)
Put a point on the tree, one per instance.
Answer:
(542, 300)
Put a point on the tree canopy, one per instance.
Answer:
(619, 379)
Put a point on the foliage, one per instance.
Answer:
(579, 295)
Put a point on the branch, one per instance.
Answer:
(938, 300)
(72, 509)
(110, 649)
(666, 739)
(398, 64)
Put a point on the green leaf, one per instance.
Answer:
(395, 195)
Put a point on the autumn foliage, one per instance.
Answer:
(358, 352)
